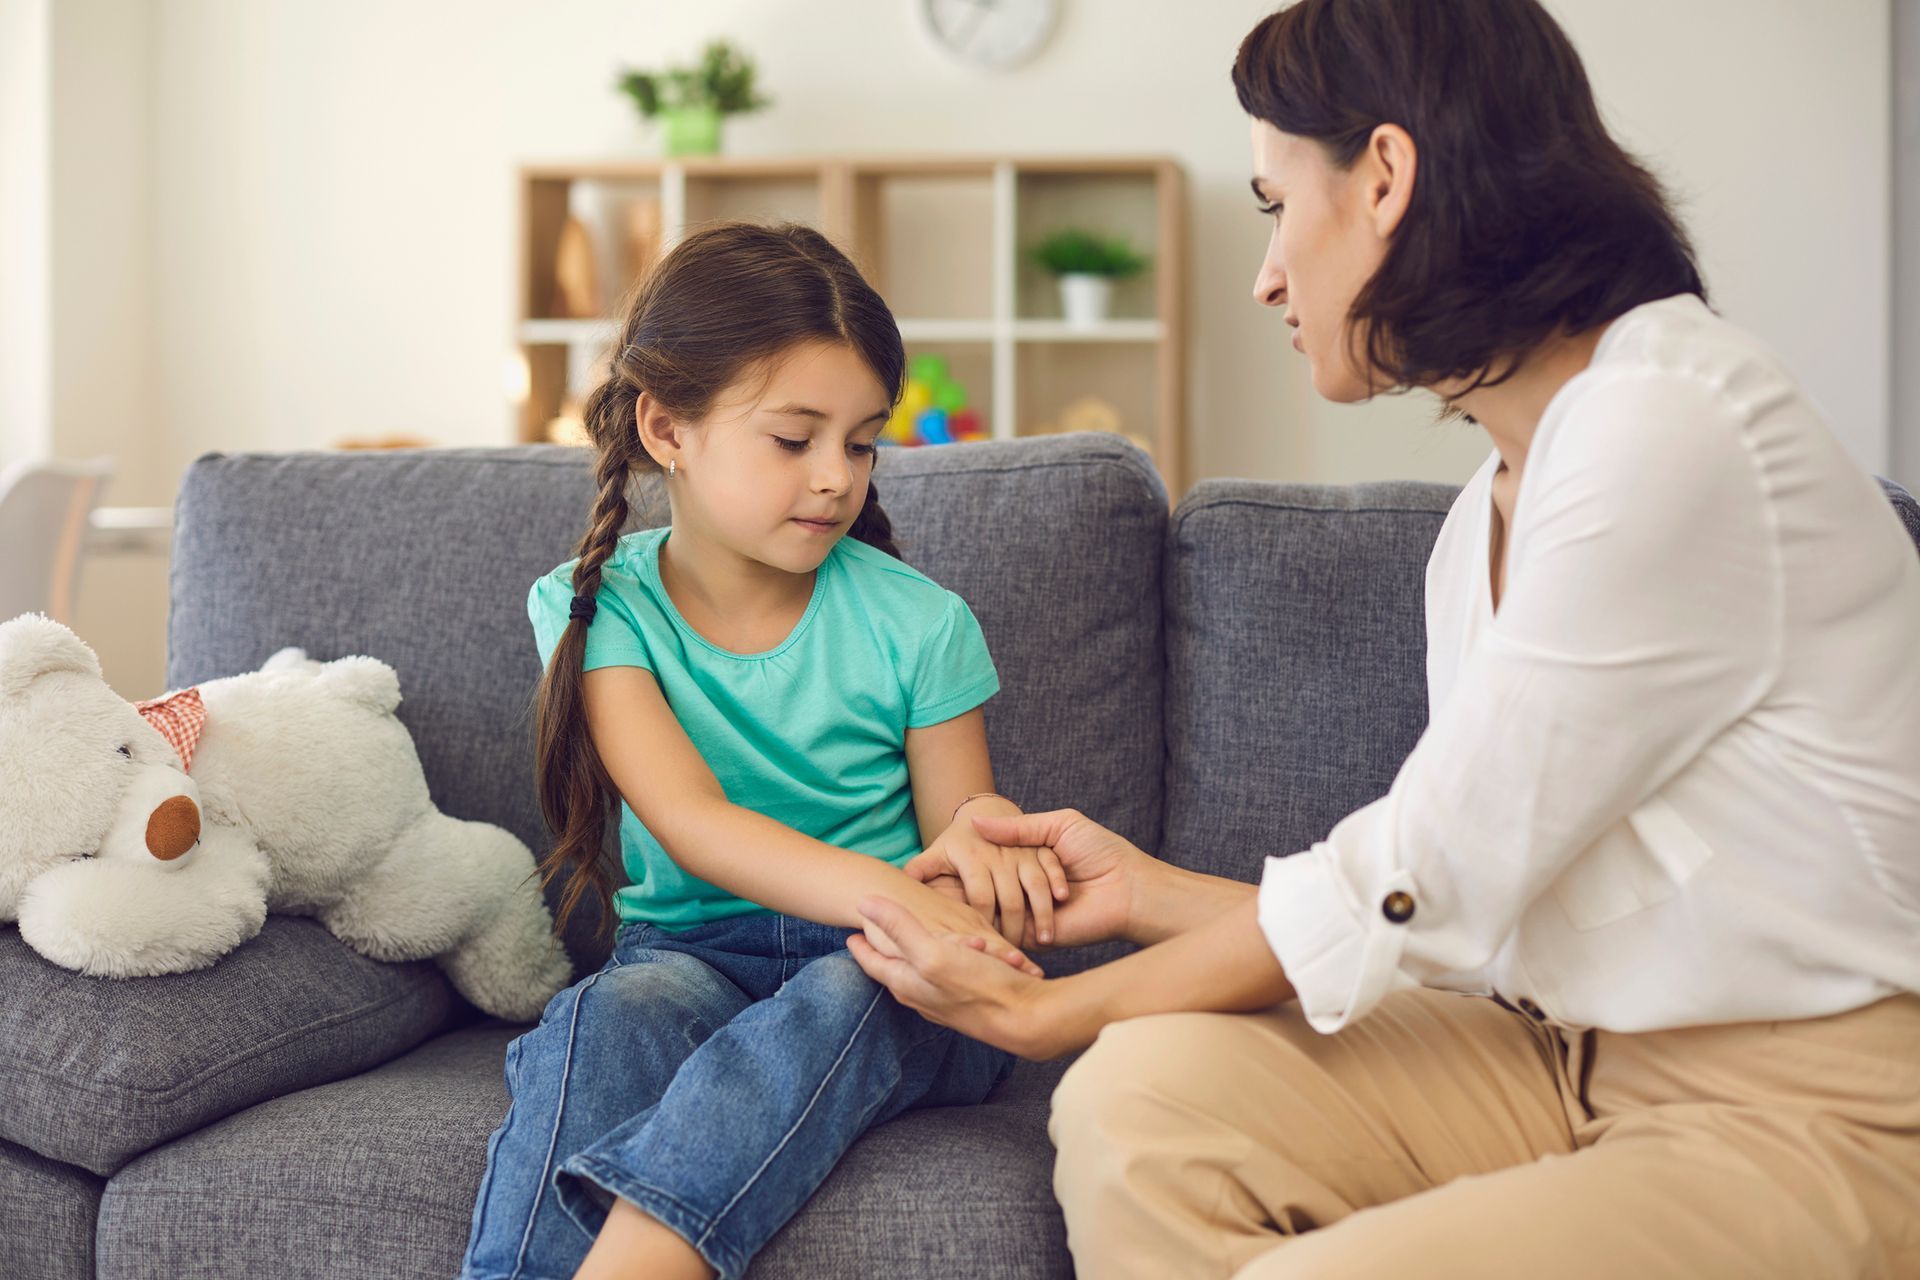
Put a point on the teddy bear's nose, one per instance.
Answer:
(174, 828)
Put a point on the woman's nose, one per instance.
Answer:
(1270, 287)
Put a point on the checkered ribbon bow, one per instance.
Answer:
(179, 717)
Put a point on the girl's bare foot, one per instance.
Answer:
(634, 1245)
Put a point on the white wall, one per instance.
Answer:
(103, 318)
(25, 313)
(335, 223)
(329, 206)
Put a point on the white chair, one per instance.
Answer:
(44, 510)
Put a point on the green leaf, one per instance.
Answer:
(724, 79)
(1076, 251)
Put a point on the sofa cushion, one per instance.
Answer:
(377, 1175)
(1296, 651)
(46, 1217)
(1296, 658)
(1904, 506)
(96, 1070)
(423, 559)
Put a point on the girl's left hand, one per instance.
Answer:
(1000, 882)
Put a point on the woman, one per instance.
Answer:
(1644, 896)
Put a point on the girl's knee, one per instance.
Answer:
(836, 980)
(669, 1002)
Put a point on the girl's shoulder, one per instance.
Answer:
(625, 560)
(895, 603)
(622, 575)
(891, 581)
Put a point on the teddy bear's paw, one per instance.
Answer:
(514, 965)
(125, 920)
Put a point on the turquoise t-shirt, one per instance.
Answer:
(811, 733)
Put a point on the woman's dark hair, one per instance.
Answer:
(728, 301)
(1526, 218)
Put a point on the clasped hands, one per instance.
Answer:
(995, 895)
(1010, 881)
(1037, 880)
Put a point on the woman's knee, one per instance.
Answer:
(1140, 1076)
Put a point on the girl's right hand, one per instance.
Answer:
(947, 915)
(1105, 871)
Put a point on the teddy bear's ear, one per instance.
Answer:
(33, 645)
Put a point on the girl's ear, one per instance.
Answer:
(659, 433)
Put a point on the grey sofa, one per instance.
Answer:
(1217, 684)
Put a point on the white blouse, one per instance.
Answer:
(1675, 779)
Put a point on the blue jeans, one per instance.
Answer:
(712, 1076)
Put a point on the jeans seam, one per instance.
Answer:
(478, 1228)
(559, 1112)
(773, 1155)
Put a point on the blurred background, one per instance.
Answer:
(287, 224)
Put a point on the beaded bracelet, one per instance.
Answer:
(978, 795)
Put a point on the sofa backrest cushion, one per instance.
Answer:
(1296, 659)
(1296, 651)
(423, 558)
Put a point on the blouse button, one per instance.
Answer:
(1532, 1010)
(1397, 907)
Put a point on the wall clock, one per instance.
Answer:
(993, 34)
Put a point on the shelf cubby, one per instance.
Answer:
(945, 241)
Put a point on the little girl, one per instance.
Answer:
(785, 716)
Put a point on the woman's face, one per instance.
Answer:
(770, 457)
(1326, 244)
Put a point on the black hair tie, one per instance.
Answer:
(582, 607)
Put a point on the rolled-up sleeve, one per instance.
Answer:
(1642, 617)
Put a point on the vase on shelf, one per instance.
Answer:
(692, 131)
(1085, 299)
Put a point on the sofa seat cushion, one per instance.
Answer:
(376, 1175)
(46, 1217)
(96, 1070)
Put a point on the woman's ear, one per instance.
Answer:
(1391, 161)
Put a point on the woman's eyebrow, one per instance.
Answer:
(802, 411)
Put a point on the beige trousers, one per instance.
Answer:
(1450, 1136)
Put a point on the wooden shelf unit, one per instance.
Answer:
(943, 238)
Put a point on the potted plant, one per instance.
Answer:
(692, 100)
(1087, 264)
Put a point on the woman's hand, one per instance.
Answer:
(1104, 872)
(1000, 881)
(1228, 967)
(943, 976)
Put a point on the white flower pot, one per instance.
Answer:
(1084, 299)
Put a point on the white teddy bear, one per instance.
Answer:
(154, 838)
